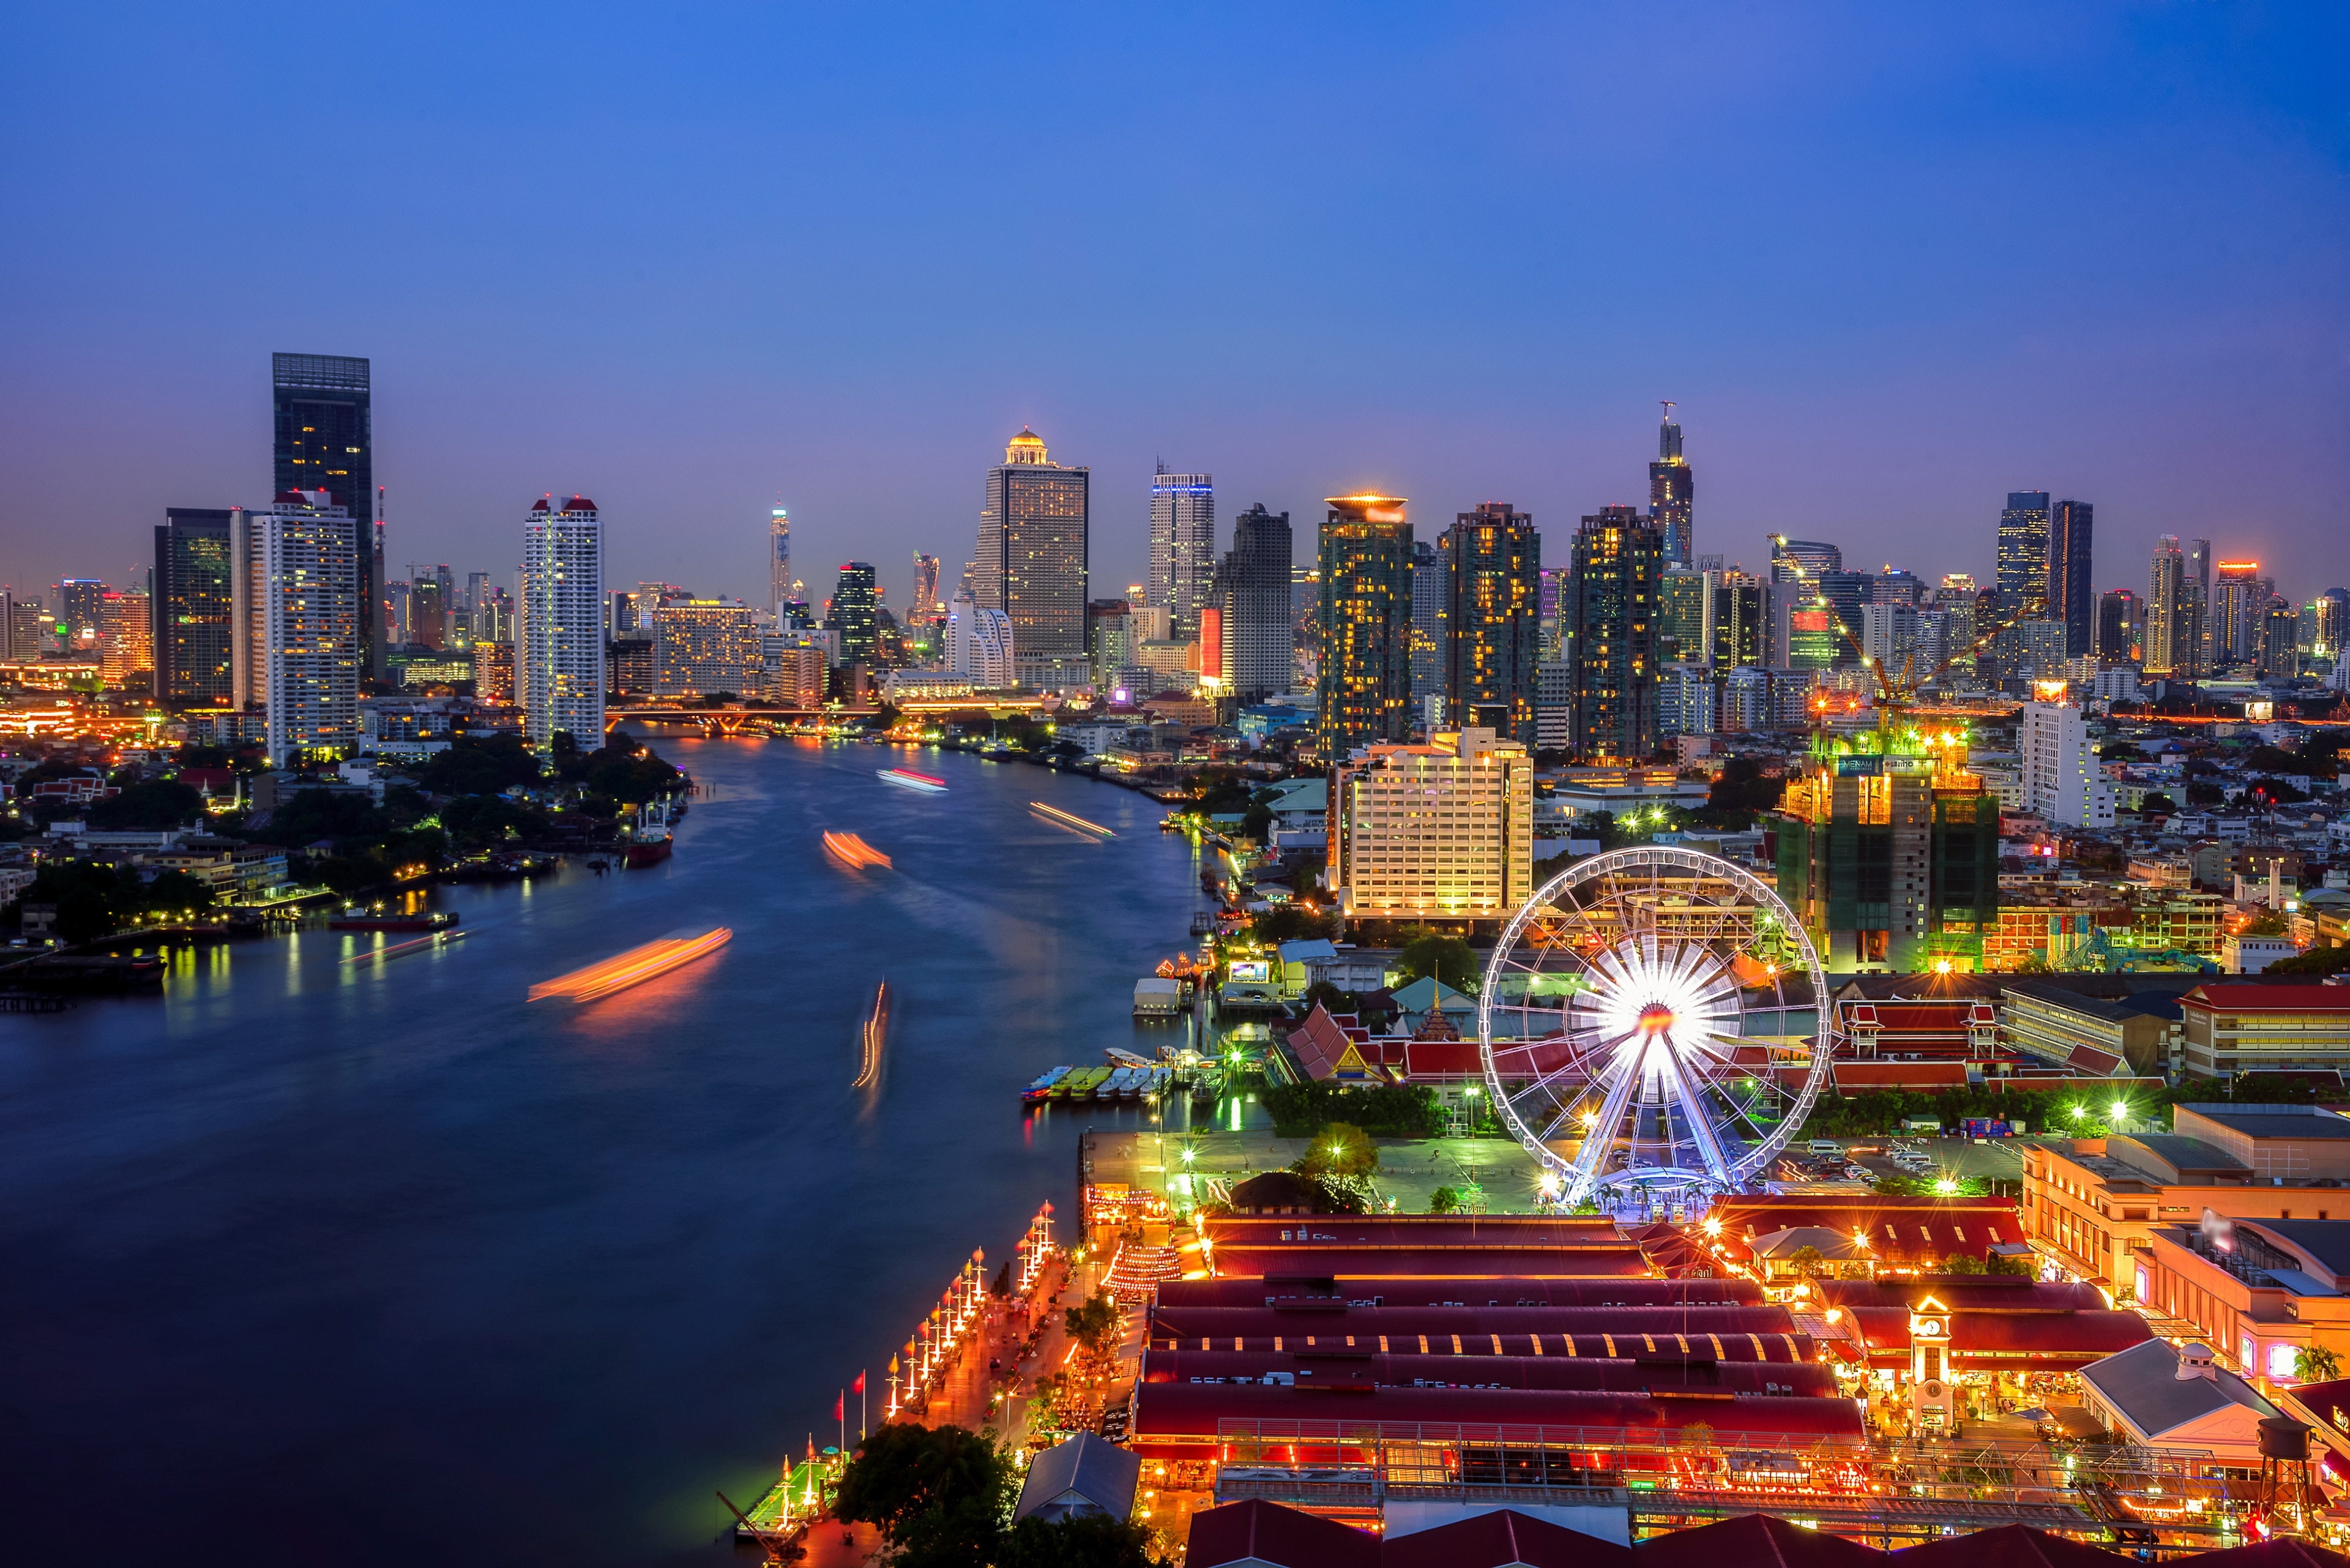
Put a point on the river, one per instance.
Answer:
(383, 1264)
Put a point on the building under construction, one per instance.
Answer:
(1887, 850)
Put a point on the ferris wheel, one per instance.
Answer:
(1646, 1024)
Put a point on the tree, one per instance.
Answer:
(938, 1494)
(1808, 1261)
(1443, 1201)
(2267, 923)
(2008, 1264)
(1430, 953)
(159, 803)
(1740, 788)
(481, 767)
(1081, 1541)
(1963, 1264)
(1093, 1322)
(2315, 1364)
(2316, 960)
(1328, 995)
(2157, 804)
(1340, 1149)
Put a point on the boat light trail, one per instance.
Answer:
(854, 851)
(401, 950)
(634, 967)
(877, 1034)
(1060, 818)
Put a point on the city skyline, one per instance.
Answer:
(1873, 359)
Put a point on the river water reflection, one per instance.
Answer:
(310, 1262)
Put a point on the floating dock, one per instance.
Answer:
(634, 967)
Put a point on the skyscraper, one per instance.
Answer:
(1032, 558)
(1253, 592)
(559, 648)
(925, 607)
(1364, 692)
(855, 602)
(194, 605)
(1687, 615)
(1797, 560)
(126, 641)
(324, 441)
(1430, 635)
(705, 647)
(1671, 488)
(1739, 622)
(2237, 618)
(2195, 649)
(1182, 545)
(2121, 616)
(1491, 563)
(979, 645)
(311, 652)
(2166, 608)
(80, 601)
(2071, 598)
(1612, 630)
(2023, 556)
(779, 559)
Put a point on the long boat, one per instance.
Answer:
(637, 965)
(907, 778)
(1043, 1087)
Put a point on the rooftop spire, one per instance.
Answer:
(1669, 435)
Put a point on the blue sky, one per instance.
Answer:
(1892, 262)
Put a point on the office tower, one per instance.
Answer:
(126, 640)
(1669, 493)
(27, 629)
(2120, 625)
(1255, 598)
(311, 654)
(1739, 623)
(481, 597)
(705, 647)
(324, 441)
(1553, 582)
(854, 600)
(1429, 636)
(80, 600)
(1889, 640)
(2237, 615)
(779, 558)
(1109, 641)
(1685, 699)
(1364, 685)
(980, 645)
(1844, 593)
(1896, 585)
(1958, 582)
(1032, 558)
(2063, 780)
(2166, 609)
(1387, 864)
(559, 645)
(1793, 560)
(2279, 655)
(1687, 615)
(1182, 545)
(397, 611)
(2070, 596)
(1612, 627)
(925, 607)
(1489, 562)
(1807, 638)
(2023, 556)
(2197, 650)
(2326, 620)
(1744, 705)
(627, 613)
(427, 621)
(195, 606)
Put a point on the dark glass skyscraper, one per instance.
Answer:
(324, 441)
(1670, 491)
(1252, 589)
(1612, 630)
(1364, 693)
(2023, 556)
(854, 603)
(2121, 623)
(193, 608)
(1492, 562)
(2070, 598)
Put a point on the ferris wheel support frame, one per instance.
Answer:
(1578, 1178)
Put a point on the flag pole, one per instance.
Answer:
(861, 1408)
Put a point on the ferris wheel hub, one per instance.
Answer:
(1655, 1019)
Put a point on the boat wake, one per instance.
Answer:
(854, 852)
(876, 1036)
(635, 967)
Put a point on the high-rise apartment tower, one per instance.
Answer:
(1032, 558)
(1613, 625)
(1182, 545)
(1670, 487)
(324, 439)
(1364, 690)
(560, 643)
(1492, 562)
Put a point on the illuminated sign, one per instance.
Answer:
(1250, 972)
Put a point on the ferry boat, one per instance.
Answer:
(907, 778)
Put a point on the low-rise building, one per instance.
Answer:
(2258, 1291)
(2226, 1029)
(2159, 1394)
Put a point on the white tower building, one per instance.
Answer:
(309, 578)
(559, 646)
(979, 645)
(1182, 545)
(2062, 780)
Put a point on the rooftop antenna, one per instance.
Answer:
(1667, 402)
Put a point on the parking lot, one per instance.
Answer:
(1990, 1160)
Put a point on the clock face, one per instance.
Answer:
(1927, 1328)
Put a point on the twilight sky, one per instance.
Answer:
(689, 259)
